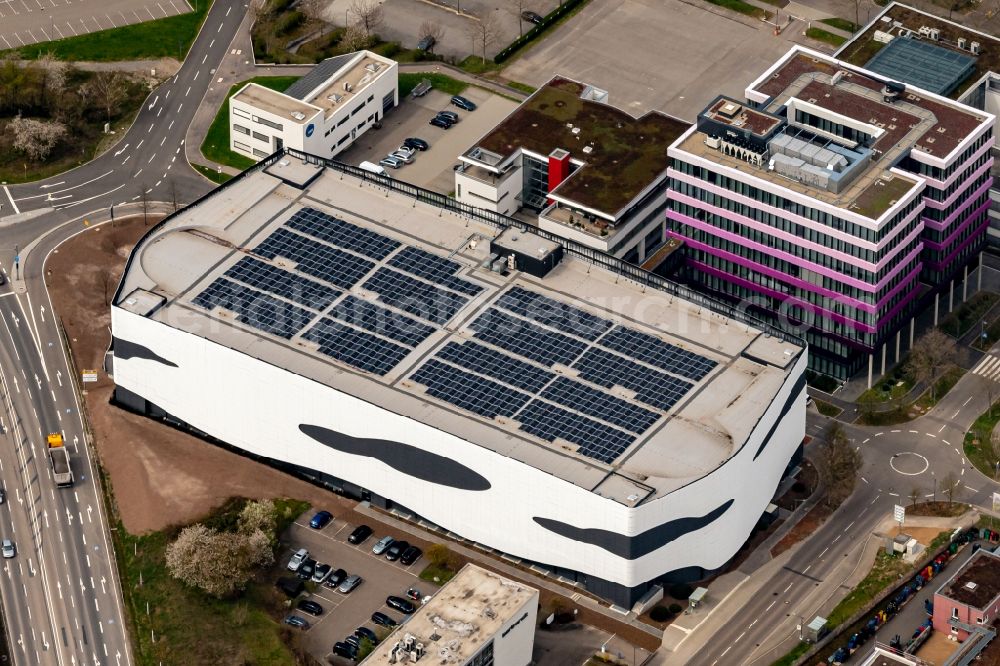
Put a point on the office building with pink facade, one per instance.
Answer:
(833, 200)
(967, 603)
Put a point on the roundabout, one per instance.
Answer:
(909, 463)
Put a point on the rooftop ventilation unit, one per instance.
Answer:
(588, 149)
(892, 91)
(970, 585)
(298, 115)
(935, 34)
(730, 109)
(347, 86)
(575, 130)
(335, 98)
(837, 78)
(373, 67)
(961, 43)
(974, 48)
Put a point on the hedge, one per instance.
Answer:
(548, 21)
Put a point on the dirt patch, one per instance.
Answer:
(941, 509)
(924, 535)
(809, 524)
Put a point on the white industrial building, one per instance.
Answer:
(478, 618)
(322, 113)
(521, 391)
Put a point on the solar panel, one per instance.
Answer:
(356, 348)
(288, 285)
(487, 361)
(600, 405)
(337, 267)
(526, 339)
(468, 391)
(411, 295)
(652, 350)
(596, 440)
(379, 320)
(343, 234)
(254, 308)
(431, 267)
(554, 314)
(651, 386)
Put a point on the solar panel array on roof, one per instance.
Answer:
(650, 349)
(303, 291)
(553, 313)
(652, 387)
(357, 348)
(526, 339)
(341, 233)
(254, 308)
(469, 391)
(595, 440)
(597, 403)
(431, 267)
(495, 364)
(317, 259)
(414, 296)
(934, 68)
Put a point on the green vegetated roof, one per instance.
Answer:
(626, 153)
(880, 195)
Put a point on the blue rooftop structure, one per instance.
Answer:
(922, 63)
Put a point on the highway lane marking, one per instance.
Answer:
(849, 526)
(930, 434)
(154, 154)
(180, 107)
(957, 412)
(878, 434)
(967, 400)
(170, 125)
(12, 203)
(127, 145)
(914, 432)
(970, 488)
(210, 44)
(150, 130)
(96, 196)
(67, 189)
(787, 588)
(188, 91)
(202, 60)
(126, 160)
(139, 145)
(947, 443)
(895, 431)
(229, 10)
(196, 75)
(942, 428)
(865, 480)
(159, 111)
(220, 27)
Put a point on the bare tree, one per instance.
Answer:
(368, 15)
(432, 29)
(914, 496)
(839, 463)
(354, 38)
(144, 197)
(950, 482)
(933, 354)
(173, 194)
(483, 33)
(36, 138)
(258, 516)
(517, 8)
(109, 89)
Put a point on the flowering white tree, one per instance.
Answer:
(36, 138)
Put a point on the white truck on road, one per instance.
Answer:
(62, 472)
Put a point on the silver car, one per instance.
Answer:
(382, 544)
(391, 162)
(7, 547)
(402, 157)
(298, 558)
(322, 571)
(350, 583)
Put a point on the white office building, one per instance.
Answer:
(519, 390)
(478, 618)
(322, 113)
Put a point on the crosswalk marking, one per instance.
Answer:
(989, 368)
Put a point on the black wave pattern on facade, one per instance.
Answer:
(403, 458)
(125, 350)
(795, 395)
(634, 547)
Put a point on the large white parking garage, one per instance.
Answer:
(528, 394)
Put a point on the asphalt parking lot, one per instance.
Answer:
(689, 54)
(343, 613)
(431, 168)
(24, 22)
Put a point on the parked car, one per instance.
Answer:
(7, 547)
(393, 552)
(300, 556)
(402, 157)
(402, 605)
(360, 533)
(350, 583)
(3, 496)
(391, 162)
(335, 579)
(414, 594)
(365, 632)
(438, 121)
(382, 544)
(322, 571)
(531, 17)
(346, 650)
(353, 640)
(405, 150)
(307, 569)
(426, 43)
(310, 606)
(450, 116)
(297, 621)
(410, 555)
(463, 103)
(414, 142)
(320, 520)
(383, 620)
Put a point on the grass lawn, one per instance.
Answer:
(742, 8)
(978, 446)
(893, 385)
(969, 314)
(885, 572)
(842, 24)
(826, 409)
(212, 174)
(436, 574)
(824, 36)
(902, 413)
(446, 84)
(169, 37)
(523, 87)
(941, 389)
(190, 626)
(793, 656)
(215, 147)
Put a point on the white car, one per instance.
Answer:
(321, 573)
(403, 157)
(298, 558)
(7, 547)
(382, 544)
(404, 150)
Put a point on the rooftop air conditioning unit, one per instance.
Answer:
(974, 47)
(298, 115)
(961, 43)
(347, 86)
(935, 34)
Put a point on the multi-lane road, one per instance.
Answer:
(61, 597)
(922, 455)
